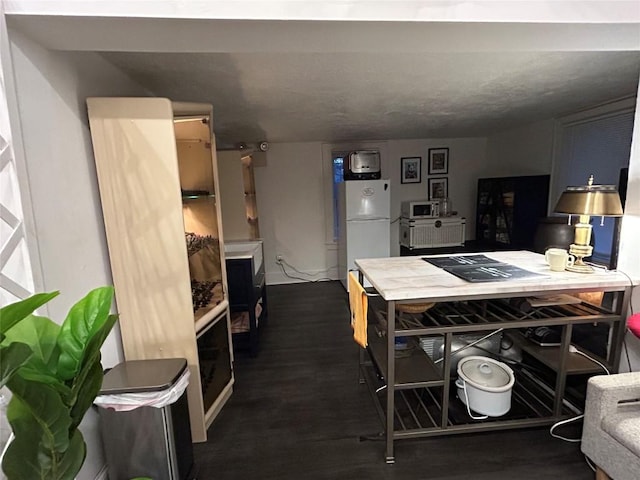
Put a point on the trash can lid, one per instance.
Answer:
(135, 376)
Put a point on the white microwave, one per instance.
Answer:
(420, 209)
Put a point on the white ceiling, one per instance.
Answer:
(370, 70)
(289, 97)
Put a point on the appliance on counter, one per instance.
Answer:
(432, 232)
(362, 165)
(414, 209)
(364, 208)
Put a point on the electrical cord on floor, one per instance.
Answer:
(573, 349)
(563, 422)
(288, 275)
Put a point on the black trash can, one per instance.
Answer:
(146, 441)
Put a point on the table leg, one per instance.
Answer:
(391, 375)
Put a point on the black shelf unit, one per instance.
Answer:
(247, 288)
(508, 210)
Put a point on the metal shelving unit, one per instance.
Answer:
(414, 395)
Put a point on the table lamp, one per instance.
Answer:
(587, 200)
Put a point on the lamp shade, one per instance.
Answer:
(597, 200)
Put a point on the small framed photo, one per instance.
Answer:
(438, 188)
(438, 161)
(410, 169)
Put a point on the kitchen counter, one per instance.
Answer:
(466, 308)
(411, 278)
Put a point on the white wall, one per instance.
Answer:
(290, 196)
(51, 89)
(294, 198)
(466, 164)
(630, 233)
(526, 150)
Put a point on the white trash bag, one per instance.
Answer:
(124, 402)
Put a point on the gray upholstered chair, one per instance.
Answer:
(611, 433)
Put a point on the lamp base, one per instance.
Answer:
(580, 251)
(580, 267)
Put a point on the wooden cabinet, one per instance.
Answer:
(508, 210)
(238, 195)
(158, 179)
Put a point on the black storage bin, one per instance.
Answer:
(147, 441)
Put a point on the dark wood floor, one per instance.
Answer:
(298, 412)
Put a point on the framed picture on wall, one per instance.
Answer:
(438, 187)
(410, 169)
(438, 161)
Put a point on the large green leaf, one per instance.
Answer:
(54, 373)
(84, 319)
(25, 457)
(45, 405)
(32, 372)
(68, 464)
(85, 384)
(86, 393)
(41, 334)
(13, 313)
(12, 357)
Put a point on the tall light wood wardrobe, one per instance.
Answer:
(158, 178)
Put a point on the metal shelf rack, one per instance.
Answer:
(424, 399)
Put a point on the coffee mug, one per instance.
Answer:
(558, 259)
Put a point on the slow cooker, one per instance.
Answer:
(484, 385)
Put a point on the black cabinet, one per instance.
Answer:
(247, 301)
(508, 211)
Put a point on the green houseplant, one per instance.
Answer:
(54, 373)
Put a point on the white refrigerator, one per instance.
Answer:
(364, 231)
